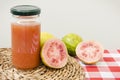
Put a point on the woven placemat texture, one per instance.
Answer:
(72, 71)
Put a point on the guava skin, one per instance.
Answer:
(71, 40)
(54, 53)
(44, 37)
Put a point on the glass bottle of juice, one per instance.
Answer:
(25, 32)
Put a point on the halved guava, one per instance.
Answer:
(89, 52)
(54, 53)
(71, 40)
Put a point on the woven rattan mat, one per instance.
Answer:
(72, 71)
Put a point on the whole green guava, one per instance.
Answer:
(71, 40)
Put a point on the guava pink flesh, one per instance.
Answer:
(56, 53)
(90, 51)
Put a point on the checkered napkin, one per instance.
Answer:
(106, 69)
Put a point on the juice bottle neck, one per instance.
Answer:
(33, 18)
(26, 17)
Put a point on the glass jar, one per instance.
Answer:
(25, 33)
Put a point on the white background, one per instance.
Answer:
(92, 19)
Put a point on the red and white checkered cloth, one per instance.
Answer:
(106, 69)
